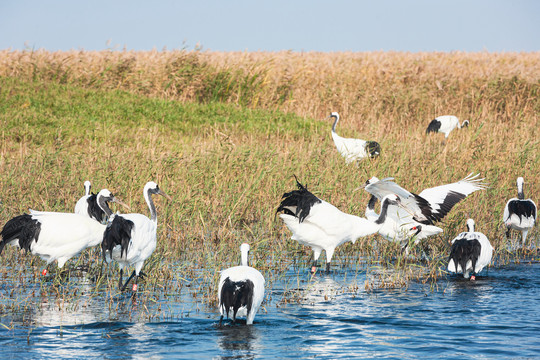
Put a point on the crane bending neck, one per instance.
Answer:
(335, 122)
(151, 206)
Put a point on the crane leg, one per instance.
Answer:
(128, 280)
(120, 280)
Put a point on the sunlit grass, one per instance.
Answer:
(223, 134)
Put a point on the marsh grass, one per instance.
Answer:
(224, 133)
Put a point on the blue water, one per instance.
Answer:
(330, 316)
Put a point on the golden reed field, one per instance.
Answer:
(226, 180)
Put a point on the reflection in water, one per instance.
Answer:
(239, 341)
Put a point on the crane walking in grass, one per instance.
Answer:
(445, 124)
(471, 251)
(353, 149)
(519, 214)
(130, 239)
(240, 290)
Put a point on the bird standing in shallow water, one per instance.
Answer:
(55, 235)
(470, 252)
(519, 214)
(240, 290)
(322, 226)
(445, 124)
(130, 239)
(353, 149)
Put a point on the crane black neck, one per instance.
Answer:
(335, 122)
(103, 205)
(372, 202)
(384, 212)
(151, 206)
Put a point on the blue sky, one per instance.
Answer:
(302, 25)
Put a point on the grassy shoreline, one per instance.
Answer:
(226, 142)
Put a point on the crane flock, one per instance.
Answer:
(405, 217)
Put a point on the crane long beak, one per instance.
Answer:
(120, 202)
(162, 193)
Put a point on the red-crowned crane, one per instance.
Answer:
(240, 290)
(322, 226)
(130, 239)
(519, 213)
(353, 149)
(87, 205)
(55, 235)
(470, 252)
(396, 230)
(445, 124)
(426, 208)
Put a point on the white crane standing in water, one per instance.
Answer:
(519, 213)
(55, 235)
(471, 251)
(130, 239)
(322, 226)
(240, 290)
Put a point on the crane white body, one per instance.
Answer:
(130, 239)
(240, 290)
(353, 149)
(65, 235)
(520, 213)
(465, 249)
(56, 235)
(321, 226)
(445, 124)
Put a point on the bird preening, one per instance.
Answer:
(471, 251)
(240, 290)
(321, 226)
(353, 149)
(519, 214)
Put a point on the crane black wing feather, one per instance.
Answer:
(433, 126)
(23, 228)
(118, 232)
(298, 202)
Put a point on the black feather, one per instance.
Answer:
(118, 232)
(94, 211)
(433, 126)
(22, 228)
(373, 149)
(463, 250)
(302, 200)
(235, 294)
(444, 208)
(522, 208)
